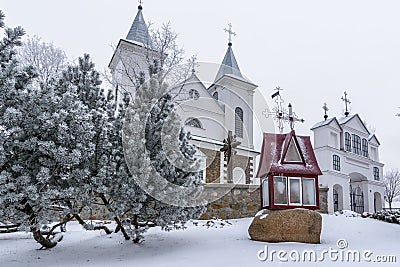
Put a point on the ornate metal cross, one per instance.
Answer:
(230, 32)
(346, 102)
(192, 63)
(326, 109)
(140, 2)
(229, 149)
(280, 114)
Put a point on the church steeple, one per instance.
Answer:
(139, 31)
(229, 64)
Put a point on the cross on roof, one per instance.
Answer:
(140, 2)
(230, 32)
(325, 108)
(346, 102)
(192, 63)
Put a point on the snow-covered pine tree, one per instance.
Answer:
(43, 136)
(151, 126)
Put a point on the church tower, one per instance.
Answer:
(130, 57)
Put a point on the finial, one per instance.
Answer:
(325, 108)
(140, 4)
(230, 33)
(346, 102)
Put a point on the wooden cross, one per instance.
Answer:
(325, 108)
(230, 32)
(229, 149)
(346, 102)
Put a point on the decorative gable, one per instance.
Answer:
(293, 153)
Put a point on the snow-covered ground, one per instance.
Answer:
(199, 246)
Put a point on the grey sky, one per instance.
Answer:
(313, 49)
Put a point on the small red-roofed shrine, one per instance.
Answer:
(289, 172)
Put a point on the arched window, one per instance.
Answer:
(215, 95)
(194, 94)
(239, 122)
(347, 141)
(336, 163)
(194, 123)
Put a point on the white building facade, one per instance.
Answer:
(348, 155)
(209, 113)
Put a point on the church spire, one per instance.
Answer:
(139, 31)
(229, 64)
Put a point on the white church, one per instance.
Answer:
(209, 112)
(347, 153)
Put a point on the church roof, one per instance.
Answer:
(229, 65)
(139, 31)
(275, 149)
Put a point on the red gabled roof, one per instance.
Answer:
(273, 151)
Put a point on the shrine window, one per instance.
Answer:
(265, 192)
(309, 194)
(280, 190)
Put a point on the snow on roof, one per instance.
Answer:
(322, 123)
(273, 152)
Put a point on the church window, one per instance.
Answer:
(336, 163)
(356, 144)
(376, 173)
(347, 141)
(215, 95)
(194, 94)
(194, 123)
(365, 147)
(239, 122)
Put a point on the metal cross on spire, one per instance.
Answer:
(140, 2)
(280, 114)
(230, 33)
(346, 102)
(326, 109)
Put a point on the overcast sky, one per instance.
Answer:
(313, 49)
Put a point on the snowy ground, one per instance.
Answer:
(198, 246)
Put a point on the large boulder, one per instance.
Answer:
(292, 225)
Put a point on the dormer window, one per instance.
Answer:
(194, 94)
(347, 141)
(292, 153)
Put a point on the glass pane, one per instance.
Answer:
(309, 191)
(280, 191)
(265, 192)
(292, 154)
(295, 191)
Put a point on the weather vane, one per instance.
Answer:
(280, 114)
(326, 109)
(230, 32)
(347, 103)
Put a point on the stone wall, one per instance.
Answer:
(213, 169)
(323, 199)
(238, 202)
